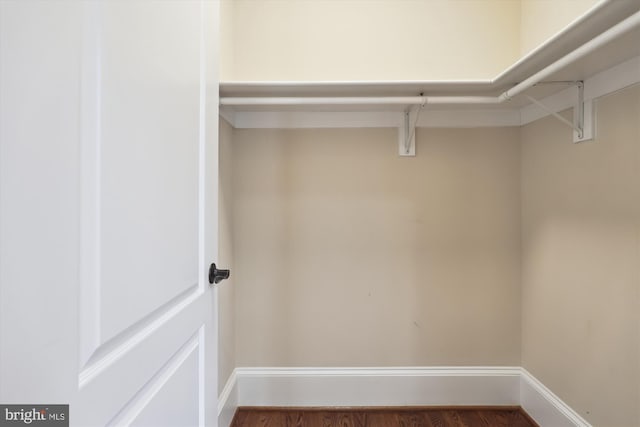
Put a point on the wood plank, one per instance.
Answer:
(383, 417)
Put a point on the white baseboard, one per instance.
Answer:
(228, 401)
(544, 406)
(378, 386)
(412, 386)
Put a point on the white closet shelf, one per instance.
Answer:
(607, 35)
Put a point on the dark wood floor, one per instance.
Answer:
(383, 417)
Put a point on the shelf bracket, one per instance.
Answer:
(584, 117)
(407, 130)
(583, 123)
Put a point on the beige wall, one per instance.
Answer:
(349, 255)
(581, 261)
(296, 40)
(541, 19)
(226, 290)
(226, 39)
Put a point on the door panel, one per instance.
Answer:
(149, 141)
(147, 166)
(169, 392)
(124, 372)
(130, 174)
(142, 212)
(175, 412)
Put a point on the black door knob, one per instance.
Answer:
(216, 276)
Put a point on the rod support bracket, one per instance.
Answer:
(583, 117)
(583, 123)
(406, 138)
(407, 130)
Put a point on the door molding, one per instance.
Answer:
(138, 404)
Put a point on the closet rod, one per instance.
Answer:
(356, 100)
(600, 40)
(360, 100)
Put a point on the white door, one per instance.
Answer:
(108, 209)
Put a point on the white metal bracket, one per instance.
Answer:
(583, 123)
(406, 138)
(407, 130)
(583, 117)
